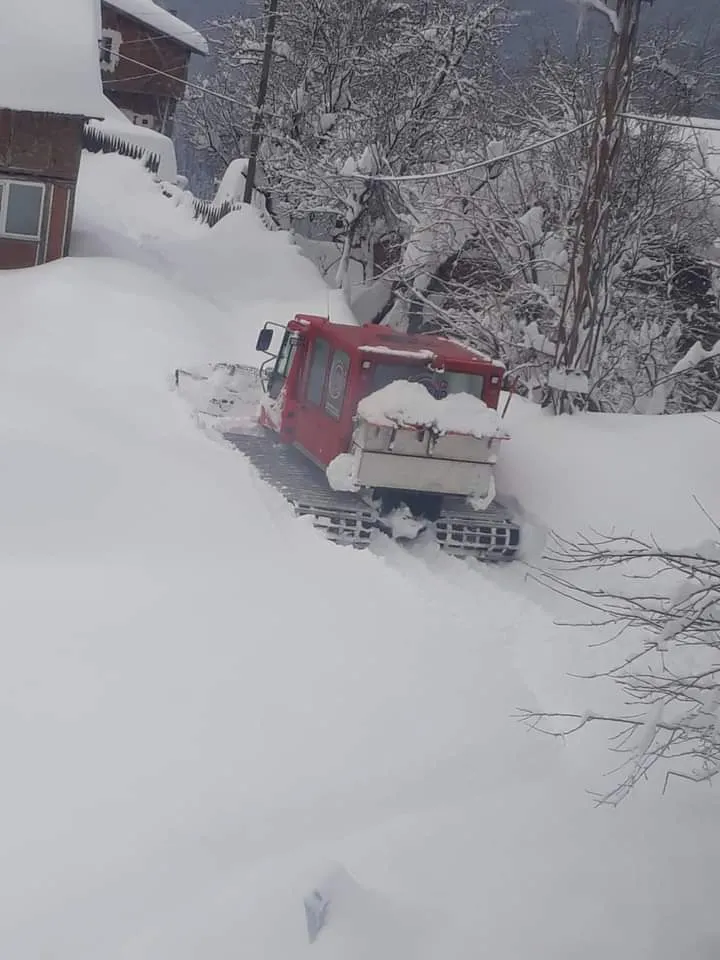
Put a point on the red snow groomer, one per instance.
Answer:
(361, 427)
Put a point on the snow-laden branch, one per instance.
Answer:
(600, 7)
(669, 618)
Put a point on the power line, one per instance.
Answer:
(440, 174)
(689, 125)
(437, 175)
(171, 76)
(477, 165)
(138, 76)
(159, 36)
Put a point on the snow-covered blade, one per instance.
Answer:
(225, 396)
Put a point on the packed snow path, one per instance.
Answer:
(205, 704)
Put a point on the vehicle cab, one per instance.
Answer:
(323, 370)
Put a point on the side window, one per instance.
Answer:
(336, 383)
(282, 365)
(316, 377)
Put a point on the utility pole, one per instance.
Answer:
(585, 291)
(256, 135)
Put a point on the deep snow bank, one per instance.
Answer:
(188, 696)
(252, 274)
(651, 476)
(204, 702)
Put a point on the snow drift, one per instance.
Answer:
(205, 704)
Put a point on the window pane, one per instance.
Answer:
(438, 384)
(316, 380)
(24, 209)
(282, 365)
(336, 383)
(472, 383)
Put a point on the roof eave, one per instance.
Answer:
(68, 114)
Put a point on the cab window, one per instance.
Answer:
(282, 365)
(316, 375)
(438, 384)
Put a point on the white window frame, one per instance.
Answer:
(115, 38)
(146, 120)
(6, 184)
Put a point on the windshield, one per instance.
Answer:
(438, 384)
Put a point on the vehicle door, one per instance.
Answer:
(322, 395)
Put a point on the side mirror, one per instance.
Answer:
(264, 340)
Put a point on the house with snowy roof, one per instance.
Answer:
(49, 87)
(144, 57)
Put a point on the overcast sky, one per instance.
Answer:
(557, 13)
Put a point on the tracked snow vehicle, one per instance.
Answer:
(362, 427)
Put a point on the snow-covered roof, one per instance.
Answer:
(49, 57)
(161, 20)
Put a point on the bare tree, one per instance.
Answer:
(485, 255)
(669, 621)
(679, 70)
(364, 88)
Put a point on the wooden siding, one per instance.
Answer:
(55, 246)
(40, 144)
(18, 253)
(155, 51)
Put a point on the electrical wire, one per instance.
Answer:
(477, 165)
(690, 126)
(171, 76)
(438, 174)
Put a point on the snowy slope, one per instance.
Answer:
(116, 124)
(205, 703)
(653, 476)
(249, 273)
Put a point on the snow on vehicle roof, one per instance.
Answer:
(163, 21)
(49, 57)
(393, 345)
(405, 354)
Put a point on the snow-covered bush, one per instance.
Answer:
(668, 618)
(356, 89)
(385, 89)
(487, 252)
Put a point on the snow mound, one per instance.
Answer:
(406, 404)
(654, 477)
(116, 124)
(341, 473)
